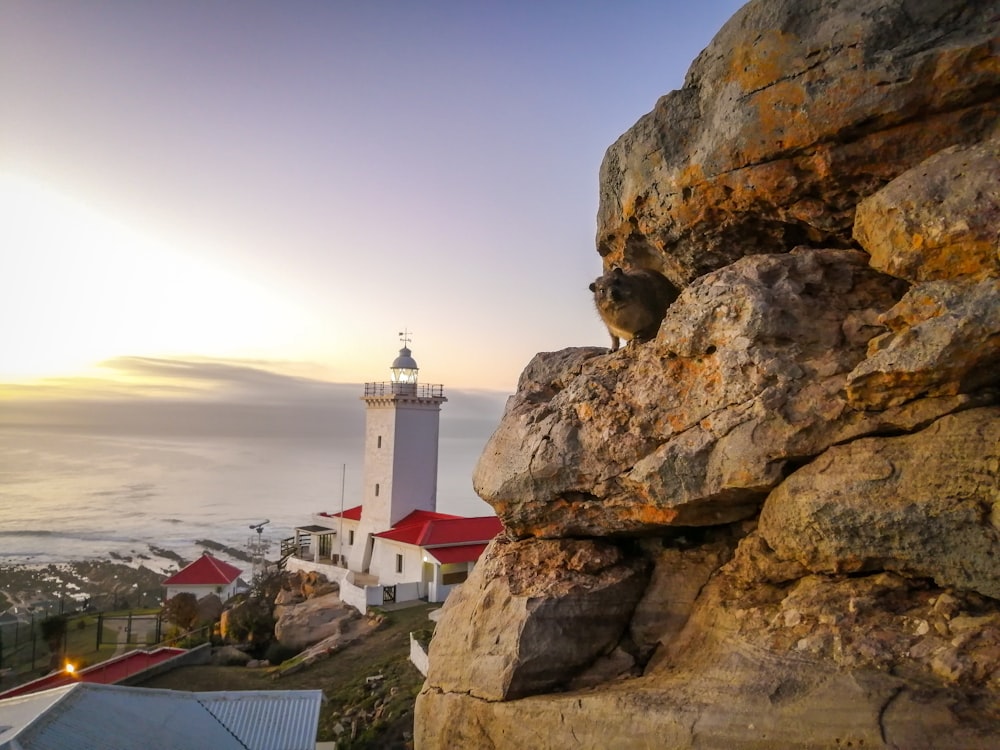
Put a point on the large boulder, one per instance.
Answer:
(696, 427)
(938, 220)
(794, 112)
(926, 504)
(943, 339)
(309, 622)
(937, 225)
(544, 610)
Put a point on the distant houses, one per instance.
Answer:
(206, 575)
(395, 546)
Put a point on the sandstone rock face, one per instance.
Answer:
(553, 608)
(678, 578)
(943, 339)
(926, 504)
(795, 111)
(301, 625)
(939, 219)
(768, 667)
(698, 426)
(776, 524)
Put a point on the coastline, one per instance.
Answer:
(117, 581)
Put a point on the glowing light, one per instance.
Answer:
(70, 668)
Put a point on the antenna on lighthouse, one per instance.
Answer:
(405, 337)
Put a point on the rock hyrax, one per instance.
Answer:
(632, 303)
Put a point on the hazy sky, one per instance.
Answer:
(288, 184)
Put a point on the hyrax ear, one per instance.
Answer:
(593, 287)
(617, 271)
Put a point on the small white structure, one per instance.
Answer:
(395, 546)
(206, 575)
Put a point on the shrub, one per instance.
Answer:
(278, 652)
(53, 630)
(181, 610)
(250, 621)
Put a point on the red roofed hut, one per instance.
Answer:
(206, 575)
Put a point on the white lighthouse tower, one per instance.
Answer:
(402, 420)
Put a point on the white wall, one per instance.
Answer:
(384, 562)
(380, 422)
(418, 656)
(353, 596)
(223, 592)
(415, 459)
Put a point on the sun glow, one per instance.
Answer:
(77, 287)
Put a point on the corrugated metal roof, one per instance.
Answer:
(17, 713)
(87, 716)
(268, 720)
(109, 717)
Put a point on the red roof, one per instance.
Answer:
(206, 570)
(426, 529)
(461, 554)
(351, 514)
(107, 672)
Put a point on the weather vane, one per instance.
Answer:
(404, 336)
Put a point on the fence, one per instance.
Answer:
(87, 639)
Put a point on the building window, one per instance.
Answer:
(399, 563)
(376, 489)
(350, 537)
(379, 442)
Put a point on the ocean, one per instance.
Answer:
(123, 479)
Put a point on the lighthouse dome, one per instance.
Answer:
(404, 361)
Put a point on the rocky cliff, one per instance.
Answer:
(776, 524)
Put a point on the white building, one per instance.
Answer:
(206, 575)
(395, 546)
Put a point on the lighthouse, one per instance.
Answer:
(395, 546)
(402, 422)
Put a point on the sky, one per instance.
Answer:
(281, 188)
